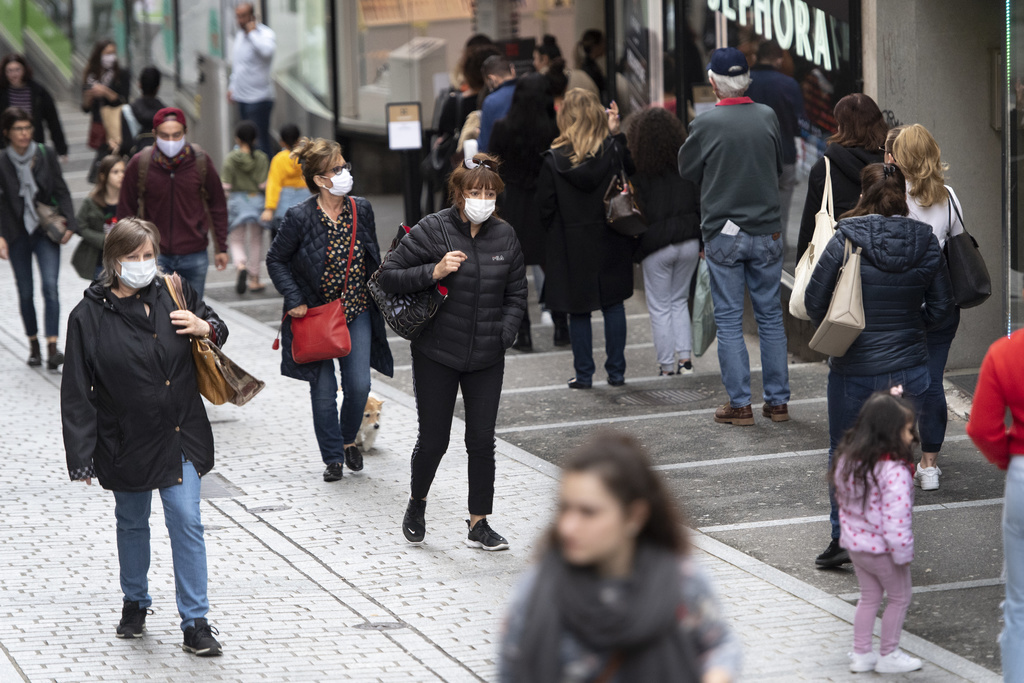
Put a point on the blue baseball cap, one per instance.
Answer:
(728, 61)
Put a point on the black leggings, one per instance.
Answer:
(438, 385)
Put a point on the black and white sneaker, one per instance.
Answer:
(199, 640)
(334, 472)
(484, 537)
(413, 526)
(354, 458)
(133, 620)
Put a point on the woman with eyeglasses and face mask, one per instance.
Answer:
(134, 419)
(309, 264)
(464, 346)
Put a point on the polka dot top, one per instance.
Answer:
(882, 524)
(332, 283)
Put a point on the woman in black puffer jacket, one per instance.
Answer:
(465, 343)
(906, 291)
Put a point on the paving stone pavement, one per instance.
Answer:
(312, 581)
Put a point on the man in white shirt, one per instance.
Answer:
(251, 85)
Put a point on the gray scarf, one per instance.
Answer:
(27, 184)
(636, 618)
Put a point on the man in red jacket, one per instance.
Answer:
(175, 185)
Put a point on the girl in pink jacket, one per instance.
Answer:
(873, 475)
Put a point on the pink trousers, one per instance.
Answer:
(246, 245)
(878, 574)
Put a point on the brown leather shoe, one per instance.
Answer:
(735, 416)
(779, 413)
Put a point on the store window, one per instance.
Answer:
(151, 38)
(302, 44)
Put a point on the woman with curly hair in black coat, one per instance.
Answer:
(670, 249)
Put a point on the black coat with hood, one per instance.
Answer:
(589, 266)
(296, 262)
(905, 286)
(847, 163)
(130, 404)
(486, 296)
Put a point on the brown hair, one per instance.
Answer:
(315, 156)
(883, 192)
(472, 65)
(919, 157)
(484, 176)
(11, 116)
(860, 123)
(625, 469)
(14, 57)
(582, 125)
(127, 235)
(99, 190)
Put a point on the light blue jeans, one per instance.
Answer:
(188, 549)
(753, 262)
(1011, 640)
(192, 267)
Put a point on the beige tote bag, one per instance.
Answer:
(824, 228)
(845, 318)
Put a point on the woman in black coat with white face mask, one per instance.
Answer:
(464, 345)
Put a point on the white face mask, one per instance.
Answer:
(479, 210)
(108, 61)
(137, 274)
(341, 184)
(170, 148)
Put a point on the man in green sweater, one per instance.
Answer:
(734, 153)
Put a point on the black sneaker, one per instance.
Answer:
(484, 537)
(133, 620)
(413, 526)
(240, 281)
(353, 458)
(834, 556)
(199, 640)
(334, 472)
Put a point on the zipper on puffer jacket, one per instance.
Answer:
(476, 302)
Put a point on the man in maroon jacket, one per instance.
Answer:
(175, 185)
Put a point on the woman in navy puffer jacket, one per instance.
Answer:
(906, 291)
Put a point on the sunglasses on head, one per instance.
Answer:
(486, 163)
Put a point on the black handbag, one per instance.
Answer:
(621, 212)
(408, 314)
(972, 285)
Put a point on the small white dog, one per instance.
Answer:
(370, 426)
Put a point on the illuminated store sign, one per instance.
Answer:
(791, 23)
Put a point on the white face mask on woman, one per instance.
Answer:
(137, 274)
(170, 148)
(479, 210)
(341, 184)
(108, 61)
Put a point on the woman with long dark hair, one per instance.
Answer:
(19, 89)
(590, 266)
(519, 140)
(616, 596)
(104, 84)
(670, 248)
(859, 141)
(97, 216)
(906, 292)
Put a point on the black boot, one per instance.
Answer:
(523, 340)
(54, 358)
(35, 356)
(561, 321)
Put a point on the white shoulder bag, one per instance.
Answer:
(824, 228)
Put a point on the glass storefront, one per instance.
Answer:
(1012, 125)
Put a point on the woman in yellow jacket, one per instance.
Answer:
(285, 186)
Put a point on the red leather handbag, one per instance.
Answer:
(322, 333)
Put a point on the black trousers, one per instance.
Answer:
(436, 387)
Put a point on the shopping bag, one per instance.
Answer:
(824, 228)
(704, 329)
(845, 318)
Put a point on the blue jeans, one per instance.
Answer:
(582, 337)
(1013, 551)
(931, 422)
(846, 395)
(192, 267)
(332, 430)
(754, 262)
(48, 257)
(188, 550)
(259, 113)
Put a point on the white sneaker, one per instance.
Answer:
(545, 318)
(927, 477)
(860, 663)
(897, 662)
